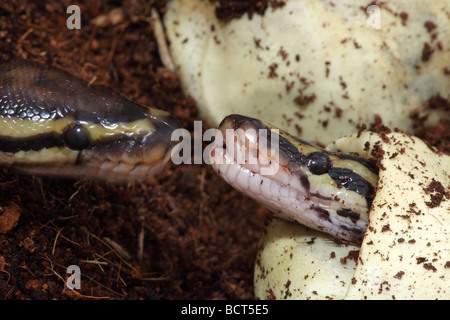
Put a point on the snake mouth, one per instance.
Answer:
(287, 188)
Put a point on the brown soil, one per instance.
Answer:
(184, 234)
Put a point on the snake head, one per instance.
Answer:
(53, 123)
(297, 180)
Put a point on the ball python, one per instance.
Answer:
(405, 250)
(301, 63)
(54, 123)
(326, 191)
(401, 252)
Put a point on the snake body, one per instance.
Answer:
(330, 192)
(53, 123)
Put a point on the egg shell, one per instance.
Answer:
(313, 68)
(405, 253)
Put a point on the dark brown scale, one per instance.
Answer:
(354, 182)
(346, 213)
(304, 181)
(291, 151)
(357, 231)
(369, 164)
(29, 90)
(322, 213)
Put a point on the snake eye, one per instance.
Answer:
(76, 137)
(319, 163)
